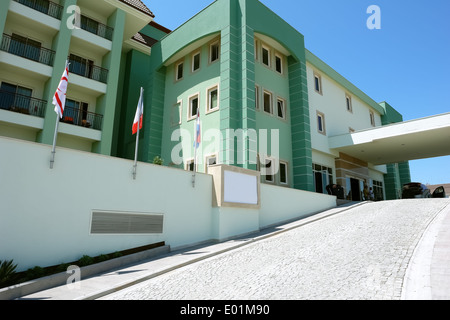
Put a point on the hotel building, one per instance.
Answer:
(243, 67)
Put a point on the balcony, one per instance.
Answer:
(97, 28)
(27, 48)
(22, 104)
(87, 69)
(82, 118)
(47, 7)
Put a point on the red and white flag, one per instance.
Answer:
(139, 114)
(59, 99)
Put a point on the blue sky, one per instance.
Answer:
(406, 62)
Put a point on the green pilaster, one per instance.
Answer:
(392, 182)
(61, 45)
(4, 7)
(404, 172)
(106, 104)
(230, 90)
(300, 126)
(153, 116)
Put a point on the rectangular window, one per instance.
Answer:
(195, 61)
(210, 161)
(267, 102)
(267, 172)
(214, 52)
(190, 165)
(321, 122)
(348, 102)
(257, 97)
(281, 108)
(279, 63)
(372, 118)
(266, 56)
(193, 106)
(16, 98)
(176, 114)
(213, 99)
(283, 173)
(179, 71)
(323, 177)
(318, 83)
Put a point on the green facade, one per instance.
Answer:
(236, 74)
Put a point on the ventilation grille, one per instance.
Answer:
(124, 223)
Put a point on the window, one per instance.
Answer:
(279, 63)
(323, 176)
(267, 102)
(283, 173)
(25, 47)
(378, 190)
(190, 165)
(81, 66)
(210, 161)
(16, 98)
(179, 71)
(321, 122)
(257, 97)
(75, 112)
(266, 56)
(267, 170)
(318, 83)
(193, 106)
(195, 61)
(176, 114)
(348, 102)
(213, 99)
(372, 118)
(281, 108)
(214, 52)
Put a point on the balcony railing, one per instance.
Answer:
(88, 70)
(82, 118)
(22, 104)
(23, 49)
(47, 7)
(95, 27)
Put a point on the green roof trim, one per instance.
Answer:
(351, 88)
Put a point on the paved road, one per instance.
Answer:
(362, 253)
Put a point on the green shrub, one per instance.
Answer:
(157, 160)
(35, 273)
(7, 272)
(85, 261)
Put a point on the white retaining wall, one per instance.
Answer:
(45, 214)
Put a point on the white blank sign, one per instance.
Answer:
(240, 188)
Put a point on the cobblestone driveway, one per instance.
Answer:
(362, 253)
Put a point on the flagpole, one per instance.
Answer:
(137, 135)
(195, 165)
(136, 150)
(52, 160)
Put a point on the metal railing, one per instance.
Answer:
(26, 50)
(47, 7)
(82, 118)
(88, 70)
(22, 104)
(95, 27)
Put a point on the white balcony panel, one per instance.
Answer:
(22, 120)
(25, 65)
(37, 17)
(94, 88)
(80, 132)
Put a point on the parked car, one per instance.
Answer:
(419, 190)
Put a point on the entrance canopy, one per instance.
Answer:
(410, 140)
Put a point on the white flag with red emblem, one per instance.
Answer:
(59, 99)
(139, 114)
